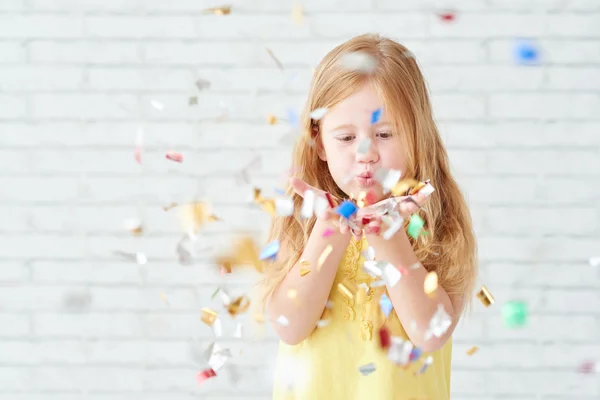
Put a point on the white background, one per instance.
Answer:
(77, 79)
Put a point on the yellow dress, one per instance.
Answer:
(327, 365)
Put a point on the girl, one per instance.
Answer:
(344, 334)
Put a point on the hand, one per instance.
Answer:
(300, 187)
(411, 204)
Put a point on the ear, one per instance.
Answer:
(321, 150)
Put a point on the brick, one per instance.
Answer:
(546, 328)
(114, 379)
(76, 272)
(113, 324)
(40, 26)
(479, 78)
(469, 383)
(553, 51)
(84, 52)
(14, 325)
(80, 106)
(13, 106)
(12, 5)
(13, 272)
(550, 106)
(573, 78)
(92, 5)
(42, 245)
(140, 79)
(577, 274)
(344, 26)
(37, 79)
(15, 378)
(488, 25)
(556, 383)
(12, 52)
(541, 221)
(458, 106)
(566, 248)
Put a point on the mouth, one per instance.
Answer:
(365, 179)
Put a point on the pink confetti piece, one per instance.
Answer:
(204, 375)
(138, 155)
(328, 232)
(174, 156)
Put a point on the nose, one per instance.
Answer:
(366, 152)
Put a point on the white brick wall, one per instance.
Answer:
(76, 81)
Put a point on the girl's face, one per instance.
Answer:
(354, 148)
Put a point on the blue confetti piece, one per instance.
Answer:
(280, 191)
(386, 305)
(293, 117)
(376, 116)
(415, 353)
(526, 52)
(346, 209)
(270, 251)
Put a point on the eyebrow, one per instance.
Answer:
(344, 126)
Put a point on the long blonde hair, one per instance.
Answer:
(450, 247)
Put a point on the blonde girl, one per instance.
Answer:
(337, 340)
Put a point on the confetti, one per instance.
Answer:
(376, 116)
(358, 61)
(134, 225)
(238, 306)
(447, 15)
(308, 204)
(192, 100)
(174, 156)
(595, 261)
(204, 375)
(284, 207)
(157, 104)
(297, 14)
(514, 314)
(589, 367)
(485, 297)
(393, 228)
(415, 226)
(139, 258)
(439, 323)
(347, 209)
(282, 320)
(367, 369)
(399, 350)
(324, 256)
(426, 365)
(328, 232)
(425, 188)
(270, 251)
(271, 119)
(139, 142)
(323, 323)
(202, 84)
(185, 251)
(386, 305)
(318, 113)
(305, 269)
(170, 206)
(239, 331)
(384, 338)
(223, 10)
(526, 52)
(345, 291)
(431, 283)
(163, 297)
(415, 354)
(215, 293)
(77, 301)
(387, 178)
(403, 186)
(293, 117)
(279, 65)
(193, 216)
(472, 350)
(391, 275)
(364, 146)
(208, 316)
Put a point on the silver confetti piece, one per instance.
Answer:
(367, 369)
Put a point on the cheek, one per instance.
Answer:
(392, 157)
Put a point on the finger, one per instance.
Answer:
(298, 185)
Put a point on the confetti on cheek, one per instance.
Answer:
(174, 156)
(376, 116)
(204, 375)
(514, 314)
(485, 297)
(318, 113)
(472, 350)
(431, 284)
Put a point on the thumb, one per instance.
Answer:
(298, 185)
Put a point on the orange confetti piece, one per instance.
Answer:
(431, 283)
(208, 316)
(167, 208)
(271, 119)
(485, 297)
(472, 350)
(238, 305)
(223, 10)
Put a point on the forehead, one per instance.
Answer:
(356, 109)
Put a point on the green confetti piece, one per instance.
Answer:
(415, 226)
(215, 293)
(514, 314)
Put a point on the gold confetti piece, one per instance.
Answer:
(193, 215)
(344, 290)
(134, 225)
(167, 208)
(324, 256)
(485, 297)
(472, 350)
(271, 119)
(304, 271)
(208, 316)
(431, 283)
(223, 10)
(272, 55)
(297, 14)
(192, 101)
(400, 188)
(238, 306)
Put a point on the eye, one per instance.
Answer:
(385, 135)
(345, 138)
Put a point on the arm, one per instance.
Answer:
(312, 290)
(408, 297)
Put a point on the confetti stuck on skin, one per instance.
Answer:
(376, 116)
(282, 320)
(367, 369)
(157, 104)
(431, 284)
(364, 146)
(324, 256)
(204, 375)
(358, 61)
(174, 156)
(318, 113)
(328, 232)
(223, 10)
(485, 297)
(272, 55)
(439, 323)
(514, 314)
(270, 251)
(472, 350)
